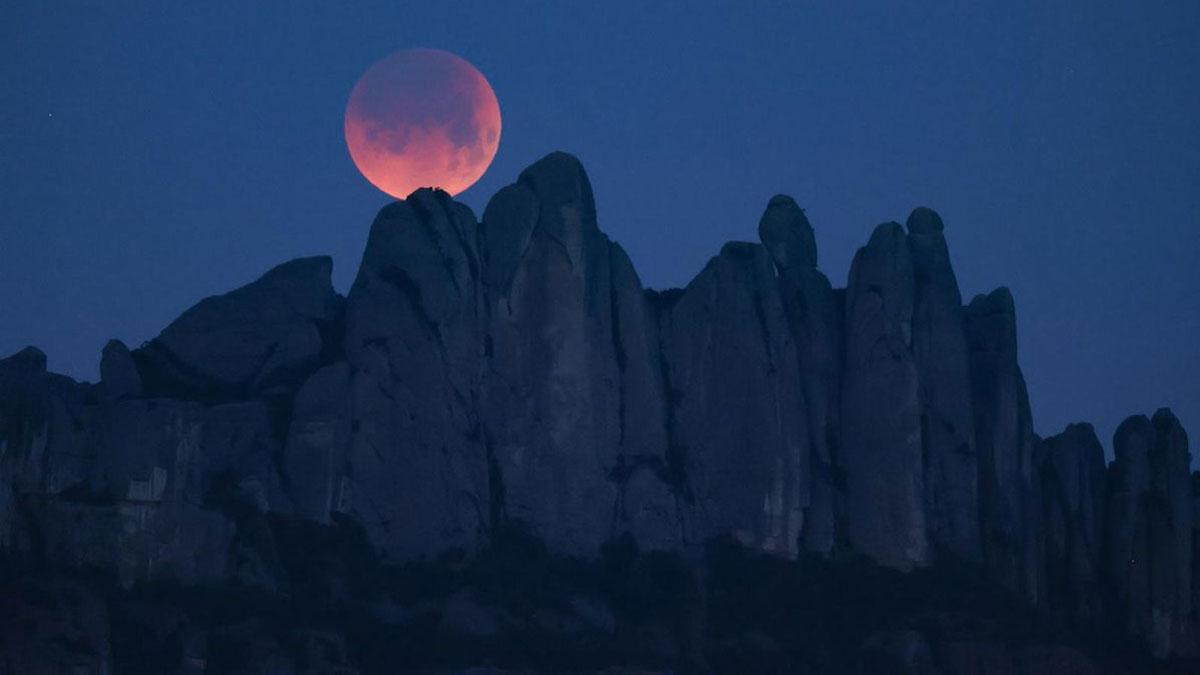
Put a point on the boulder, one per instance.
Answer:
(786, 233)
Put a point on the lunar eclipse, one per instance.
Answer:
(422, 118)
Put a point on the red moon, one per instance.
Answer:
(422, 118)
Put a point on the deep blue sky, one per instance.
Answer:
(151, 157)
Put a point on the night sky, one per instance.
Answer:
(150, 158)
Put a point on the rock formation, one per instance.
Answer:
(1010, 501)
(814, 317)
(510, 379)
(881, 406)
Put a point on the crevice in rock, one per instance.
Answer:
(412, 292)
(618, 347)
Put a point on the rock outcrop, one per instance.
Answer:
(738, 421)
(1150, 529)
(1010, 501)
(814, 315)
(881, 406)
(265, 334)
(508, 388)
(417, 464)
(939, 347)
(1072, 472)
(576, 418)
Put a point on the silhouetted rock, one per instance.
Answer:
(786, 233)
(881, 406)
(1010, 503)
(738, 415)
(1072, 471)
(814, 315)
(119, 377)
(947, 426)
(46, 431)
(1149, 531)
(417, 464)
(575, 415)
(500, 441)
(265, 333)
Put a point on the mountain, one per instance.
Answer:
(500, 450)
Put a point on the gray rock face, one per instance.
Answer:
(266, 333)
(881, 406)
(947, 420)
(417, 464)
(814, 316)
(738, 418)
(119, 377)
(1009, 498)
(1073, 482)
(574, 409)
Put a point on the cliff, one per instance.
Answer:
(508, 385)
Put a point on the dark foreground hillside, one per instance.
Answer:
(517, 608)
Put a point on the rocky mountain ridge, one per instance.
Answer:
(512, 375)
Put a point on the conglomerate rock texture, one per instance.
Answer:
(510, 379)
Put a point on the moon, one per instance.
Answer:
(422, 118)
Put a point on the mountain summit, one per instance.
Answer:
(496, 395)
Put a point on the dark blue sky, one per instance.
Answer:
(152, 157)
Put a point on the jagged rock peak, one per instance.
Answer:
(886, 236)
(1166, 423)
(28, 360)
(559, 179)
(924, 220)
(787, 234)
(260, 335)
(999, 301)
(118, 373)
